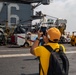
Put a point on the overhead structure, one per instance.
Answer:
(45, 2)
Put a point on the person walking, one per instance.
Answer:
(51, 38)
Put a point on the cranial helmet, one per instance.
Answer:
(53, 34)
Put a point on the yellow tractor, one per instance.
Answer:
(73, 39)
(62, 28)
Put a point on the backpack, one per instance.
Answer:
(58, 62)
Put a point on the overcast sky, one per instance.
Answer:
(65, 9)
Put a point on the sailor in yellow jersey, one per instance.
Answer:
(51, 39)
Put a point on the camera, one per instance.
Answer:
(43, 29)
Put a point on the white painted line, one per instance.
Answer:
(28, 54)
(10, 50)
(68, 52)
(15, 55)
